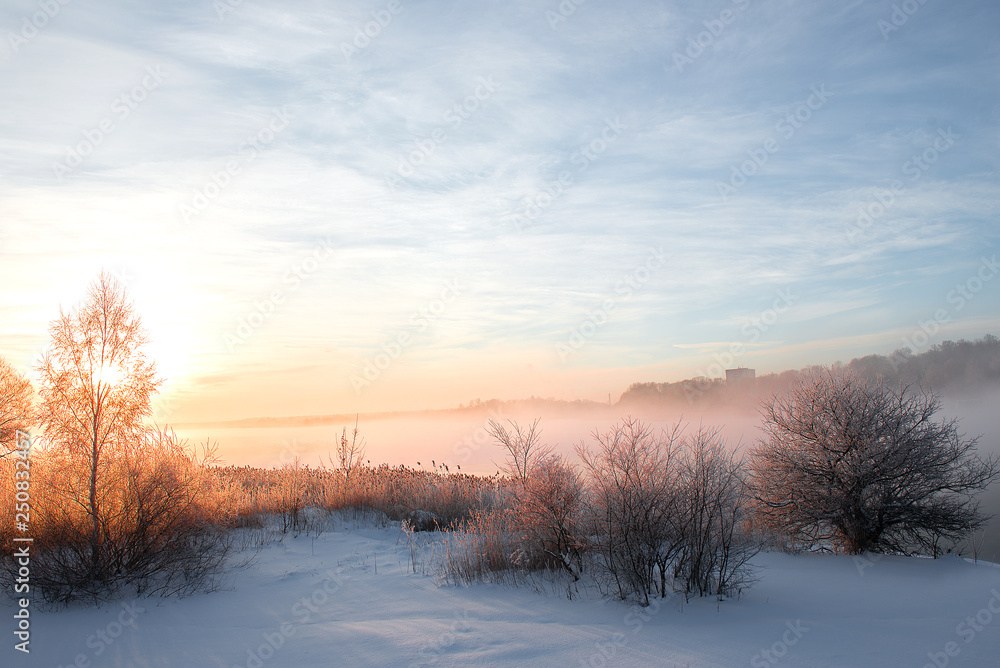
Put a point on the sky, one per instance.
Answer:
(323, 207)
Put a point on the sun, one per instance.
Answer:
(110, 374)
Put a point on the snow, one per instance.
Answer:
(318, 601)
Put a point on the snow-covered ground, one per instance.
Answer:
(318, 601)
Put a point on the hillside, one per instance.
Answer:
(951, 367)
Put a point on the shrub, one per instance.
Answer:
(156, 535)
(547, 509)
(667, 513)
(717, 542)
(486, 549)
(633, 503)
(860, 466)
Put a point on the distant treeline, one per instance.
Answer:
(949, 367)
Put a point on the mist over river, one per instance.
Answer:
(459, 439)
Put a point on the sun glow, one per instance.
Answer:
(110, 374)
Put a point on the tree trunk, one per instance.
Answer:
(95, 531)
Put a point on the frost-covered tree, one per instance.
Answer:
(861, 466)
(119, 502)
(546, 498)
(15, 405)
(95, 391)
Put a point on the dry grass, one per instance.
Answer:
(488, 548)
(511, 530)
(248, 493)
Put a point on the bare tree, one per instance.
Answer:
(860, 466)
(15, 405)
(524, 449)
(351, 452)
(122, 503)
(95, 387)
(548, 509)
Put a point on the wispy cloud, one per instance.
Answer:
(409, 157)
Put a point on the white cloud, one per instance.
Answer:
(356, 121)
